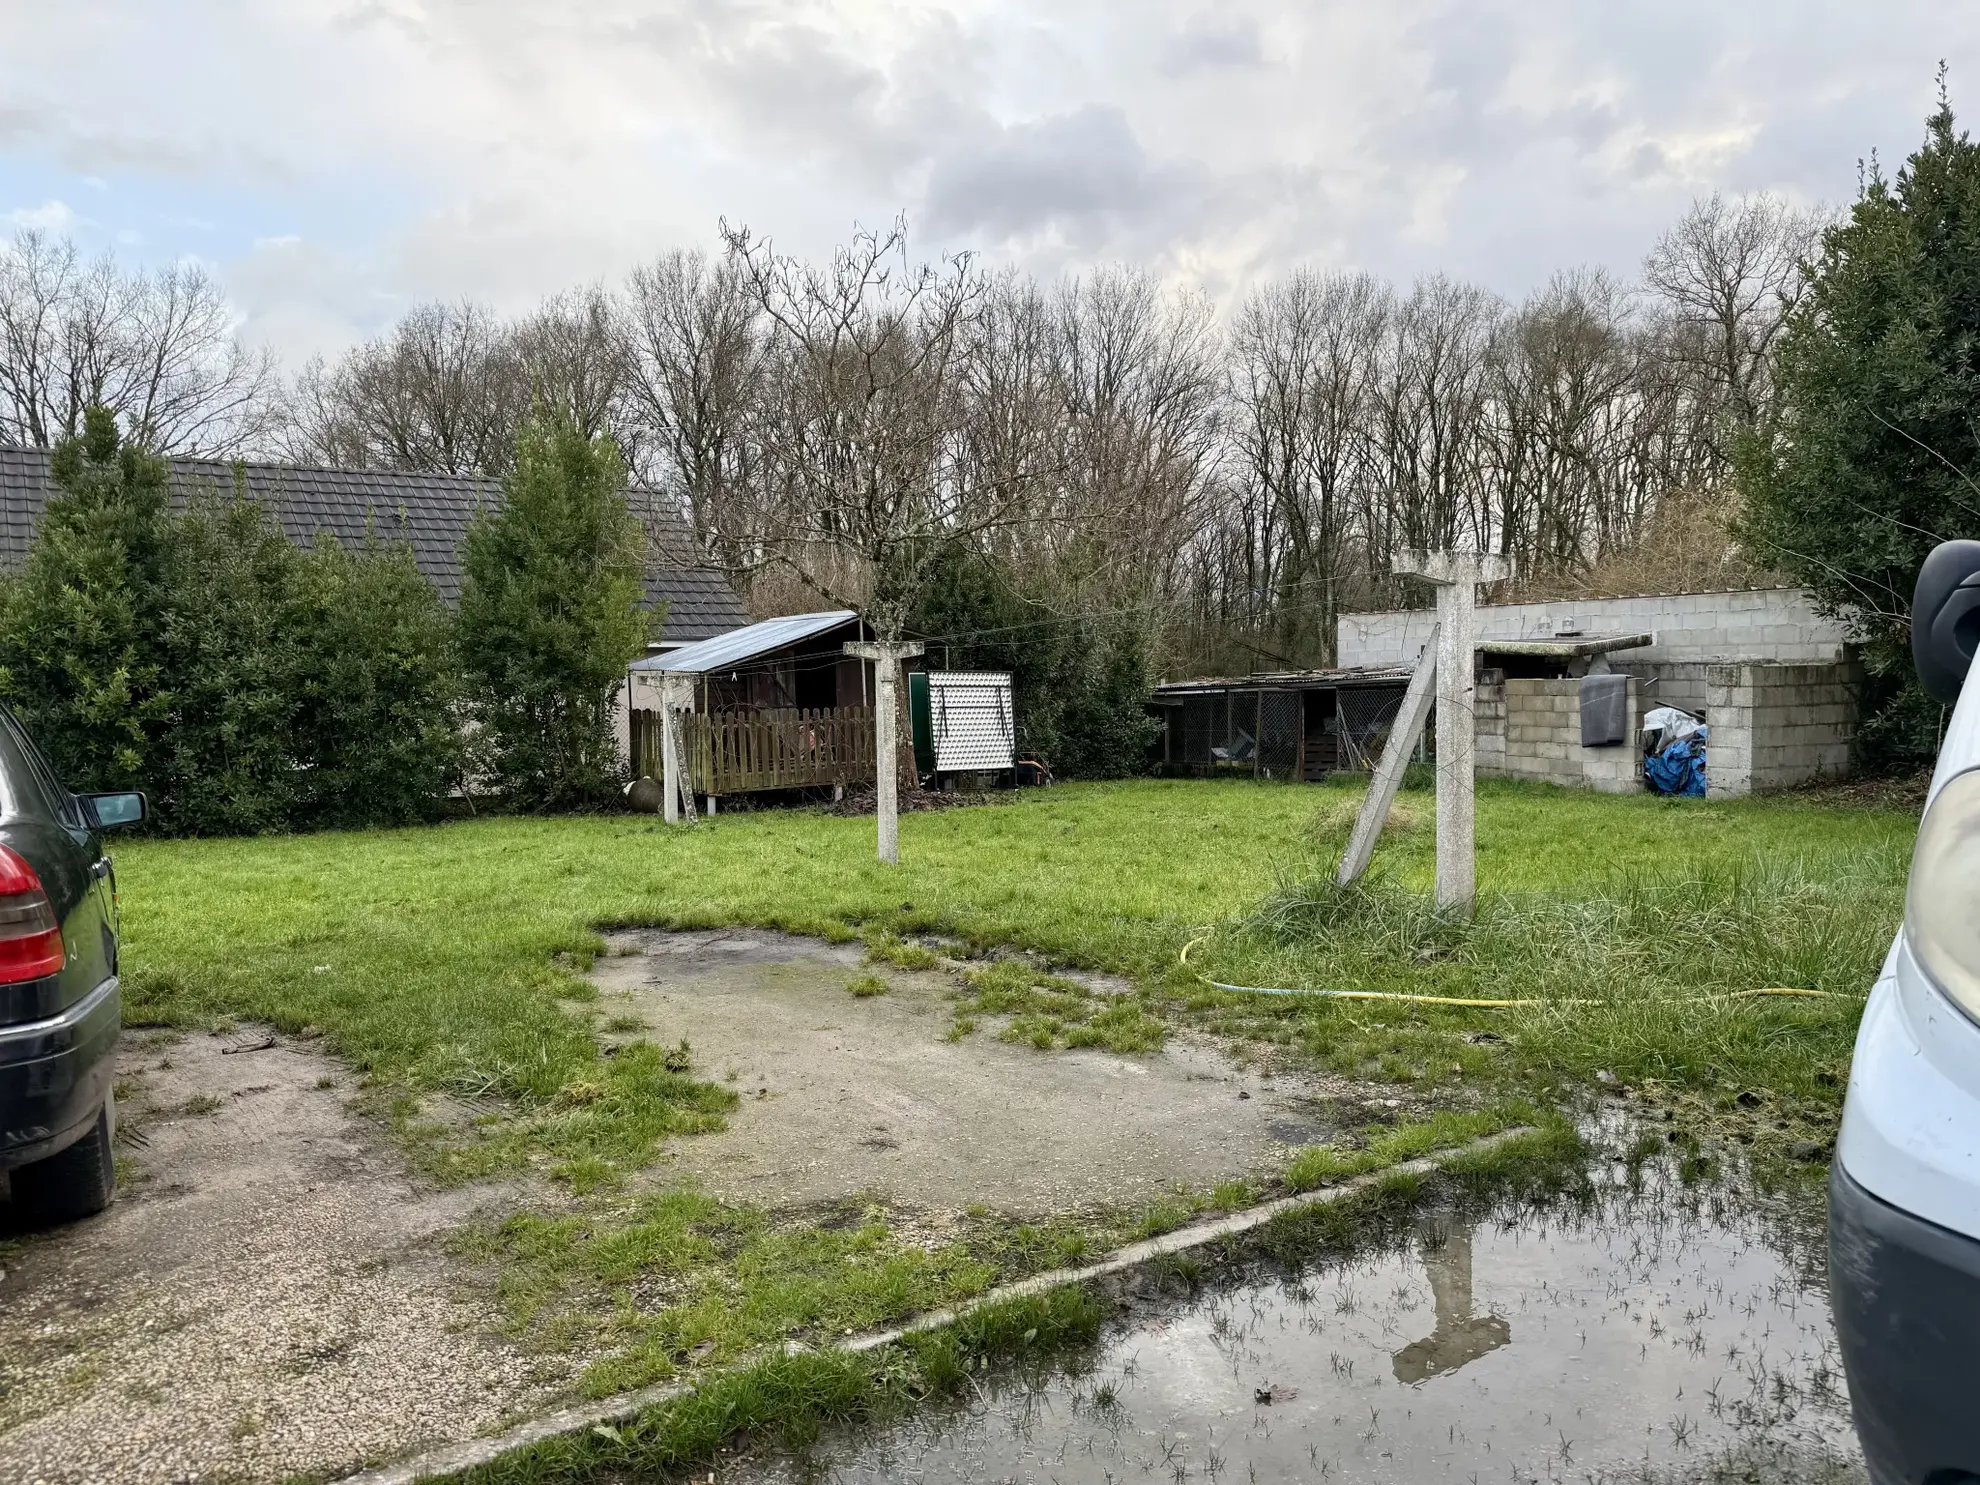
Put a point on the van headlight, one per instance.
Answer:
(1942, 904)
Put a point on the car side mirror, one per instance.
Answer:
(108, 811)
(1945, 618)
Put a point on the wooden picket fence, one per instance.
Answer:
(740, 752)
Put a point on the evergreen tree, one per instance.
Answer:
(1877, 455)
(81, 647)
(1079, 682)
(226, 764)
(376, 687)
(550, 615)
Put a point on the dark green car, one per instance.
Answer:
(59, 1007)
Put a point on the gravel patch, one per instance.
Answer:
(268, 1297)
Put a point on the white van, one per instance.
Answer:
(1904, 1193)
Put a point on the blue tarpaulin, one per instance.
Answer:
(1678, 768)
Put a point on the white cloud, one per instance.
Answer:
(348, 157)
(50, 216)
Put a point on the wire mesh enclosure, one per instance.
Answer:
(1295, 725)
(1278, 734)
(1256, 732)
(1366, 715)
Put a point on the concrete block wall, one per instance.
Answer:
(1532, 730)
(1778, 624)
(1774, 726)
(1489, 713)
(1681, 683)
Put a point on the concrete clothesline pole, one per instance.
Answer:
(676, 697)
(1381, 795)
(1456, 575)
(886, 656)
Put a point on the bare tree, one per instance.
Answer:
(1139, 382)
(859, 486)
(1565, 412)
(1728, 275)
(570, 360)
(695, 357)
(1304, 357)
(159, 350)
(443, 391)
(1431, 486)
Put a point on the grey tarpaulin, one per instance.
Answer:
(1604, 710)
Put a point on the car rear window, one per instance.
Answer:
(60, 802)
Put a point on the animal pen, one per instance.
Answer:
(1290, 725)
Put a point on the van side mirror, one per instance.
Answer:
(108, 811)
(1945, 618)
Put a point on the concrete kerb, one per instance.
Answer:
(453, 1458)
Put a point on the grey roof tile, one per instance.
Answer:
(428, 512)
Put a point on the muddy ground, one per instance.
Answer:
(848, 1097)
(267, 1297)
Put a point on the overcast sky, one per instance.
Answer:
(338, 160)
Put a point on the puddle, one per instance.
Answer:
(1655, 1333)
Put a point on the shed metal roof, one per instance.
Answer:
(740, 645)
(1292, 680)
(428, 512)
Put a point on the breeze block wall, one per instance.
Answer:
(1530, 729)
(1778, 624)
(1774, 726)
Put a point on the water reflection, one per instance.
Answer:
(1460, 1336)
(1656, 1333)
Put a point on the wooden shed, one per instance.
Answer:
(775, 705)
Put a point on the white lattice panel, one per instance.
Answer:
(970, 714)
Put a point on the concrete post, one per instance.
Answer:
(670, 765)
(1456, 575)
(676, 698)
(1404, 734)
(886, 657)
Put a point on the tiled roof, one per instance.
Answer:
(429, 512)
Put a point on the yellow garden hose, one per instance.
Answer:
(1772, 990)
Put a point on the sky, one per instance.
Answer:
(337, 161)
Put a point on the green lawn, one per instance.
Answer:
(450, 959)
(446, 958)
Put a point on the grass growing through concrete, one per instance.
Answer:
(1050, 1012)
(788, 1399)
(679, 1281)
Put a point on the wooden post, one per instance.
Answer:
(886, 657)
(1403, 737)
(1457, 575)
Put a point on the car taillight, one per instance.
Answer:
(30, 938)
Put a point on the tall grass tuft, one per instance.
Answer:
(1635, 974)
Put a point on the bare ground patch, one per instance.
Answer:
(265, 1299)
(861, 1095)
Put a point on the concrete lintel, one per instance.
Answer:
(883, 651)
(1567, 649)
(1452, 567)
